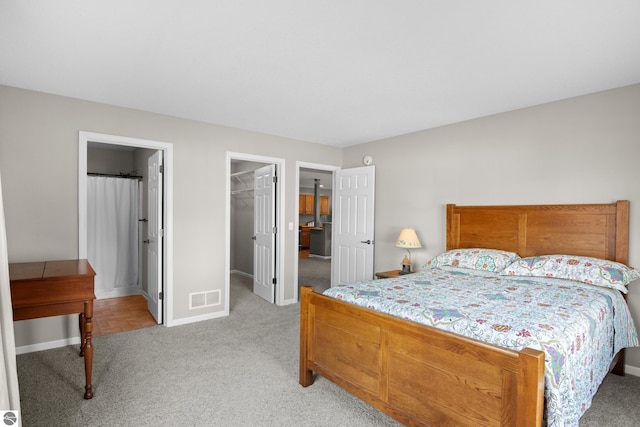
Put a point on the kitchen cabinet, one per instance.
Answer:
(324, 205)
(305, 237)
(306, 203)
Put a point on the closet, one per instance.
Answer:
(242, 216)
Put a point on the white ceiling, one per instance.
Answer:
(308, 179)
(337, 72)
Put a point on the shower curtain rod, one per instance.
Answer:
(112, 175)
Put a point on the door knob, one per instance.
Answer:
(146, 241)
(368, 242)
(253, 238)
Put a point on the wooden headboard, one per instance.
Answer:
(597, 230)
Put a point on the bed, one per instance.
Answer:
(424, 375)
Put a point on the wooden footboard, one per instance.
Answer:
(417, 374)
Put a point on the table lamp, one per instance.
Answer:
(407, 240)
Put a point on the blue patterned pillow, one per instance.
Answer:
(475, 258)
(593, 271)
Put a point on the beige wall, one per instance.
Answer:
(100, 160)
(581, 150)
(39, 163)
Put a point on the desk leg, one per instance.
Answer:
(86, 346)
(83, 341)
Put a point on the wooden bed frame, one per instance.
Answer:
(420, 375)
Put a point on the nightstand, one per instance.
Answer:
(387, 274)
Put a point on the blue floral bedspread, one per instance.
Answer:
(579, 327)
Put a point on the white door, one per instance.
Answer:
(264, 232)
(353, 209)
(154, 235)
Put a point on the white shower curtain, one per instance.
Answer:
(112, 234)
(9, 393)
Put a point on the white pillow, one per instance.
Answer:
(593, 271)
(494, 260)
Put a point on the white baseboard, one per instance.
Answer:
(120, 292)
(241, 273)
(319, 256)
(632, 370)
(47, 345)
(76, 340)
(194, 319)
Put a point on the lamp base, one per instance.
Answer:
(406, 266)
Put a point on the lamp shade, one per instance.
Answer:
(408, 239)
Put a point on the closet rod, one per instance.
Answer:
(113, 175)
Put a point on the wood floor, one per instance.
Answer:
(120, 314)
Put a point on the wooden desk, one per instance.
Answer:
(54, 288)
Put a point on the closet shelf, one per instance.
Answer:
(245, 179)
(244, 190)
(236, 174)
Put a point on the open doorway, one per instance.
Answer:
(120, 158)
(315, 225)
(253, 249)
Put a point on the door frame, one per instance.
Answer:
(84, 138)
(280, 223)
(317, 166)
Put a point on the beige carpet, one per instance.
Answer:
(316, 272)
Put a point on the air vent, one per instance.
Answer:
(204, 299)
